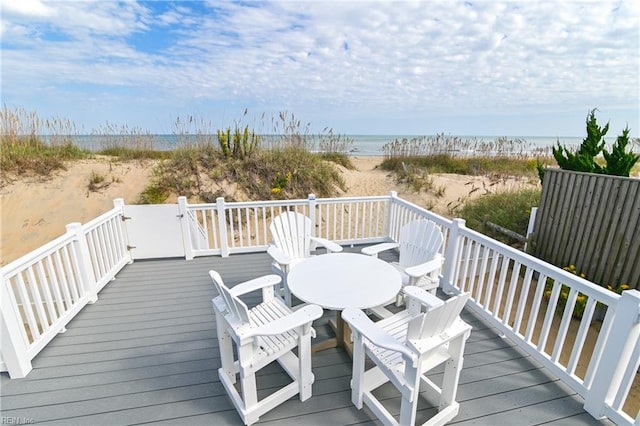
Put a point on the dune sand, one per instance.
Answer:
(34, 210)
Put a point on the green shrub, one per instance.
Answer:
(239, 144)
(618, 161)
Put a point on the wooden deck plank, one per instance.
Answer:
(147, 352)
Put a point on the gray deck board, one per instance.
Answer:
(147, 352)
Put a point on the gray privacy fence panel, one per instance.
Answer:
(590, 221)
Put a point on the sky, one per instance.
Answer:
(498, 68)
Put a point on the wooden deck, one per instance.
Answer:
(147, 352)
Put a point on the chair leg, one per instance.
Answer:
(357, 377)
(226, 349)
(248, 386)
(452, 371)
(409, 404)
(306, 378)
(287, 295)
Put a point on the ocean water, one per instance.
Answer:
(357, 145)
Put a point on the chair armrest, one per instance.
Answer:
(278, 255)
(362, 324)
(255, 284)
(422, 269)
(375, 249)
(298, 318)
(422, 296)
(328, 244)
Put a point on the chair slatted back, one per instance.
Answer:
(420, 241)
(235, 307)
(291, 232)
(436, 320)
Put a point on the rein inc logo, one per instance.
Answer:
(16, 421)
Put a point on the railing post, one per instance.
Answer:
(186, 229)
(393, 195)
(617, 356)
(450, 258)
(14, 346)
(89, 282)
(530, 227)
(118, 203)
(222, 226)
(312, 213)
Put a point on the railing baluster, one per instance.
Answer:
(25, 299)
(46, 290)
(480, 291)
(53, 276)
(36, 300)
(535, 308)
(500, 290)
(513, 285)
(492, 275)
(64, 281)
(522, 302)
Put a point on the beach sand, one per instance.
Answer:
(35, 211)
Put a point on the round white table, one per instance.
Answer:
(338, 281)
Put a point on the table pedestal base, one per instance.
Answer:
(342, 339)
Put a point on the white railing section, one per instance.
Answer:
(536, 304)
(352, 220)
(42, 291)
(240, 227)
(107, 245)
(530, 301)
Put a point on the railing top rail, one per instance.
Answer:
(299, 201)
(36, 255)
(551, 271)
(240, 204)
(352, 199)
(432, 216)
(94, 223)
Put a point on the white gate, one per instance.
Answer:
(154, 231)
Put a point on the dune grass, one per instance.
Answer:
(287, 167)
(509, 209)
(23, 149)
(278, 173)
(444, 154)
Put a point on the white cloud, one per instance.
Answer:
(28, 8)
(378, 58)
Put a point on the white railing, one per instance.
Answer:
(550, 313)
(528, 300)
(42, 291)
(240, 227)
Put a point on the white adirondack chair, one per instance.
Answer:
(420, 261)
(404, 347)
(267, 332)
(292, 243)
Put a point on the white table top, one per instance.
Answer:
(344, 280)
